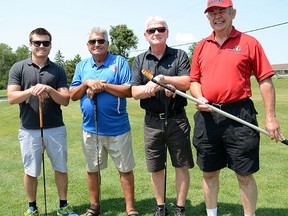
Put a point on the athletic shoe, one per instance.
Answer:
(66, 211)
(179, 211)
(160, 211)
(31, 212)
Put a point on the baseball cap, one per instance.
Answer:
(218, 3)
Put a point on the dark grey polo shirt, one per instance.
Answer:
(174, 62)
(26, 74)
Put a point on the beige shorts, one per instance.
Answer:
(118, 147)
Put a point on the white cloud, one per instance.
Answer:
(185, 38)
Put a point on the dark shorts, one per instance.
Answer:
(221, 142)
(177, 137)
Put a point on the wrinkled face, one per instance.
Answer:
(221, 18)
(156, 33)
(40, 45)
(97, 45)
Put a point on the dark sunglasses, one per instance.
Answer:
(153, 30)
(38, 43)
(100, 41)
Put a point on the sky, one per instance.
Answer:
(69, 21)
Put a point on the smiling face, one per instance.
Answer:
(221, 18)
(40, 45)
(156, 32)
(96, 46)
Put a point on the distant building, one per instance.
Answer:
(281, 69)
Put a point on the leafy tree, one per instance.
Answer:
(191, 50)
(7, 59)
(22, 53)
(59, 58)
(69, 66)
(122, 40)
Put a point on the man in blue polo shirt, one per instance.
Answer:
(102, 83)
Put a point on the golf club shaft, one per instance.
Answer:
(189, 97)
(97, 146)
(43, 149)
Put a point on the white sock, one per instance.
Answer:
(211, 212)
(246, 215)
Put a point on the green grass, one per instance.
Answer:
(272, 177)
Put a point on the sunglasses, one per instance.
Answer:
(100, 41)
(153, 30)
(38, 43)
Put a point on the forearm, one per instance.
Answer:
(268, 94)
(181, 83)
(16, 97)
(195, 90)
(60, 96)
(78, 92)
(121, 91)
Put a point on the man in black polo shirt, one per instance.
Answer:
(166, 123)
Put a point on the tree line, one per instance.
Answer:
(122, 40)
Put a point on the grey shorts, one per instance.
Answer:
(221, 142)
(177, 138)
(55, 143)
(118, 147)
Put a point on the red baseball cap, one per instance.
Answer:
(218, 3)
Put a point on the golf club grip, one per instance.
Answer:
(41, 114)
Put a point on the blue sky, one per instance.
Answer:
(69, 21)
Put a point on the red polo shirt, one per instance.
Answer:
(224, 71)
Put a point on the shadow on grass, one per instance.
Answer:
(114, 207)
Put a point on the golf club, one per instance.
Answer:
(165, 149)
(43, 149)
(97, 146)
(149, 75)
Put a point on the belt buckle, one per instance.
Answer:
(217, 105)
(162, 116)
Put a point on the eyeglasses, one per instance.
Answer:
(153, 30)
(38, 43)
(100, 41)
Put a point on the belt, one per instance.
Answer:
(163, 115)
(224, 106)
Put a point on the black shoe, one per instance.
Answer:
(179, 211)
(160, 211)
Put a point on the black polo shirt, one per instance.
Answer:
(26, 74)
(174, 62)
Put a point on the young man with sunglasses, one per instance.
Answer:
(166, 124)
(219, 141)
(102, 83)
(31, 82)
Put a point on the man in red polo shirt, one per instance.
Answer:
(222, 65)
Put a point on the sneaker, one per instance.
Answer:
(66, 211)
(160, 211)
(179, 211)
(31, 212)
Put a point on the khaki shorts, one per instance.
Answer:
(118, 147)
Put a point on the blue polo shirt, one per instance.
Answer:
(112, 115)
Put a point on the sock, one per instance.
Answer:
(246, 215)
(182, 208)
(63, 203)
(161, 206)
(211, 212)
(33, 204)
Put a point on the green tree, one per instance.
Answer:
(69, 67)
(22, 53)
(191, 50)
(7, 59)
(122, 40)
(59, 58)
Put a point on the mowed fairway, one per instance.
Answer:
(272, 177)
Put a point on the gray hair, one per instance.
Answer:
(155, 19)
(99, 30)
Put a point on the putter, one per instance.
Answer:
(97, 146)
(43, 149)
(149, 75)
(165, 149)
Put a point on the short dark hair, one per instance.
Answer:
(40, 31)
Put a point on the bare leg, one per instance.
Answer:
(92, 179)
(248, 193)
(61, 180)
(127, 182)
(30, 187)
(182, 185)
(157, 179)
(210, 186)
